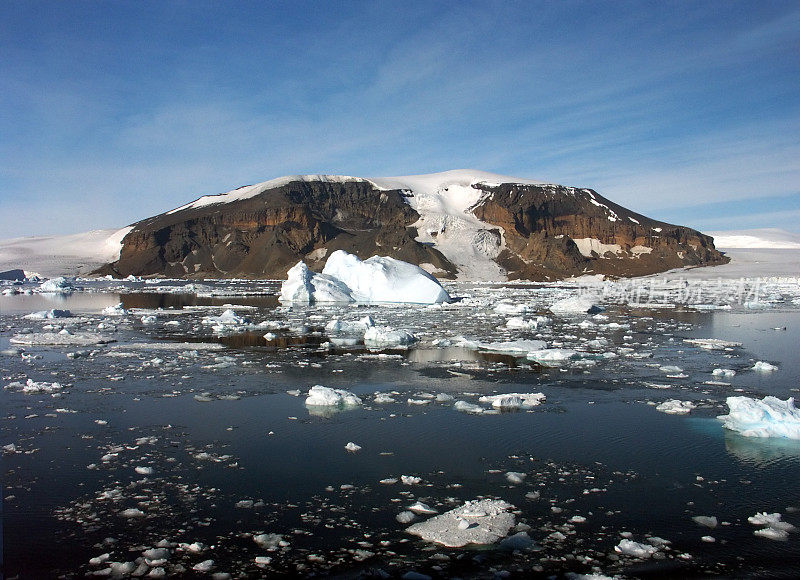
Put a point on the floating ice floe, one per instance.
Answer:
(553, 355)
(514, 347)
(635, 549)
(385, 337)
(320, 396)
(514, 400)
(712, 343)
(58, 285)
(479, 522)
(764, 367)
(353, 447)
(346, 278)
(519, 323)
(706, 521)
(770, 417)
(676, 407)
(33, 387)
(466, 407)
(48, 314)
(576, 305)
(773, 526)
(117, 310)
(227, 318)
(723, 372)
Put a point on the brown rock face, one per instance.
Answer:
(263, 236)
(542, 232)
(542, 222)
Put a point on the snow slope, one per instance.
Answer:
(71, 255)
(767, 238)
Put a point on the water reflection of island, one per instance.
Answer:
(761, 451)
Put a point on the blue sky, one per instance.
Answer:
(114, 111)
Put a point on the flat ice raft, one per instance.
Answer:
(346, 278)
(770, 417)
(479, 522)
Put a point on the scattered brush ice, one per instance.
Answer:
(764, 367)
(466, 407)
(519, 323)
(770, 417)
(383, 279)
(383, 398)
(706, 521)
(35, 387)
(676, 407)
(346, 278)
(385, 337)
(487, 521)
(723, 372)
(319, 396)
(515, 477)
(514, 400)
(352, 447)
(576, 305)
(712, 343)
(48, 314)
(58, 285)
(118, 310)
(62, 338)
(149, 319)
(635, 549)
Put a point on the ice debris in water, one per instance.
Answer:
(487, 521)
(466, 407)
(227, 318)
(712, 343)
(635, 549)
(515, 477)
(352, 447)
(706, 521)
(764, 367)
(770, 417)
(514, 347)
(118, 310)
(31, 387)
(723, 372)
(346, 278)
(48, 314)
(773, 526)
(385, 337)
(676, 407)
(519, 323)
(514, 400)
(320, 396)
(576, 305)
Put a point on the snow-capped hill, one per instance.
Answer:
(71, 255)
(767, 238)
(465, 224)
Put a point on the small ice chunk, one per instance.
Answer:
(405, 517)
(676, 407)
(204, 566)
(514, 400)
(410, 479)
(576, 305)
(706, 521)
(635, 549)
(385, 337)
(320, 396)
(764, 367)
(352, 447)
(144, 470)
(383, 398)
(466, 407)
(422, 509)
(48, 314)
(515, 477)
(723, 372)
(770, 417)
(132, 513)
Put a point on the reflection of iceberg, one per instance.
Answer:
(761, 452)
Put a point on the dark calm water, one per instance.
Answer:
(597, 448)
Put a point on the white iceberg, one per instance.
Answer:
(635, 549)
(319, 396)
(481, 522)
(770, 417)
(227, 318)
(346, 278)
(764, 367)
(48, 314)
(58, 285)
(118, 310)
(514, 347)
